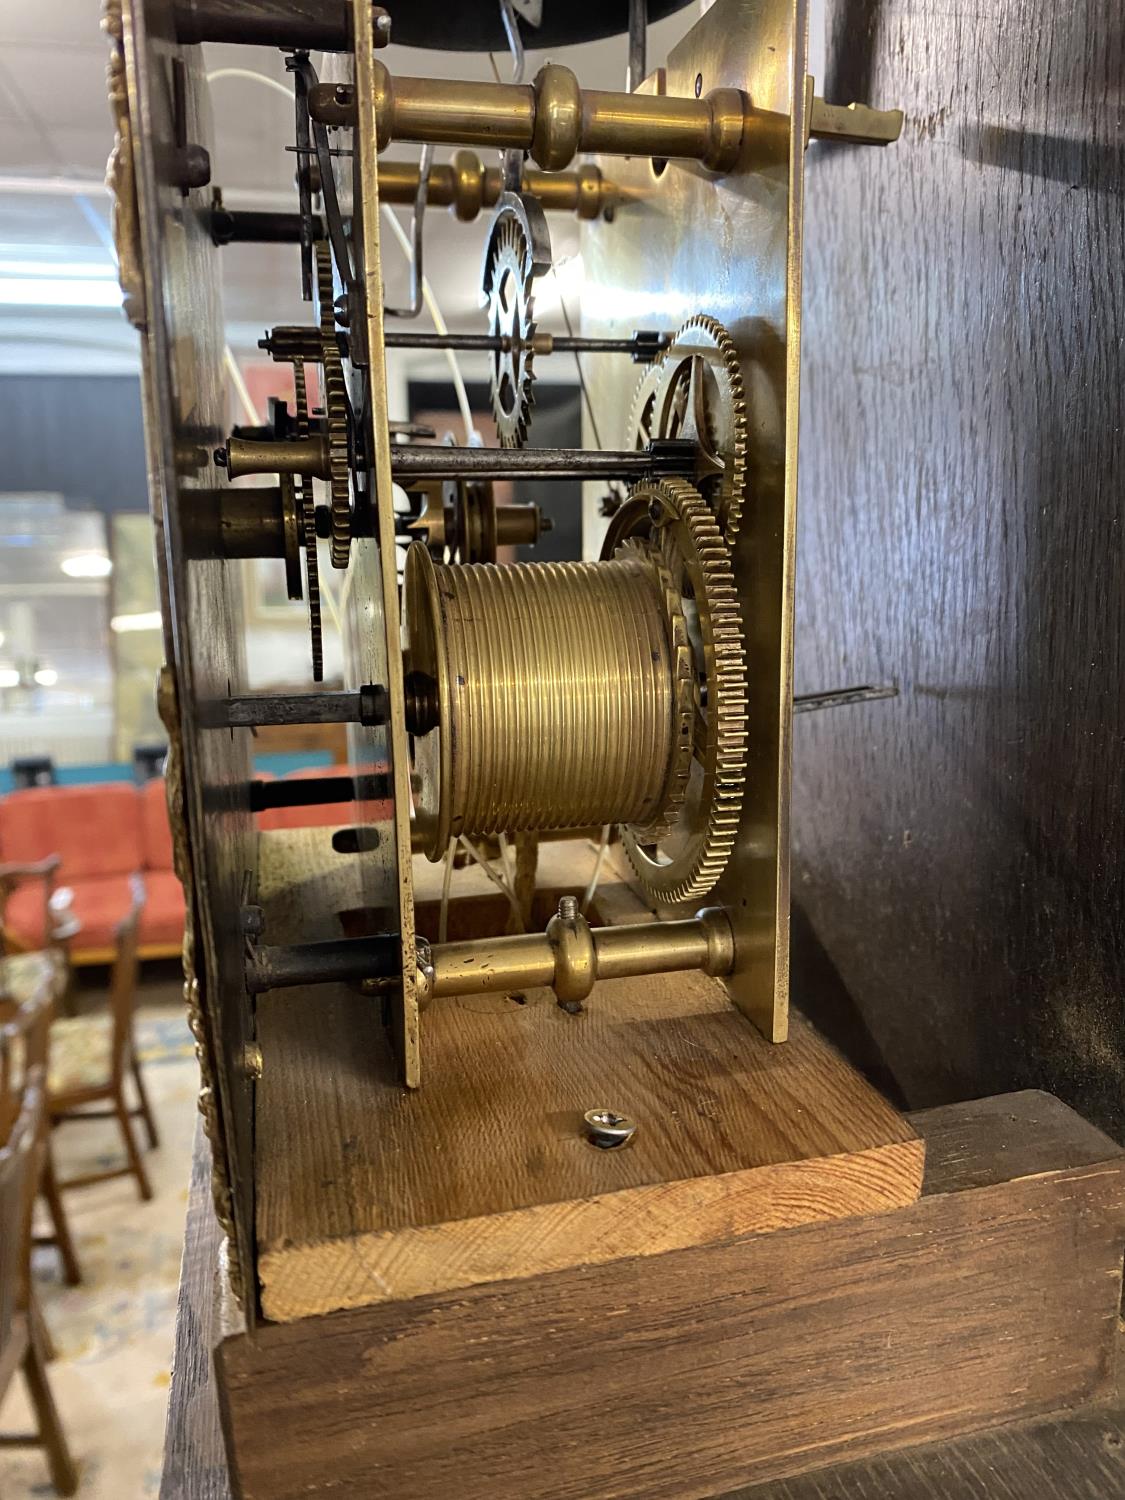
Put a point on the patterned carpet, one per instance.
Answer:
(113, 1333)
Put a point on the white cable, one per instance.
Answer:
(501, 885)
(270, 83)
(241, 389)
(507, 859)
(588, 894)
(443, 914)
(328, 594)
(471, 436)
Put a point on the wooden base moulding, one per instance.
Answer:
(698, 1371)
(459, 1290)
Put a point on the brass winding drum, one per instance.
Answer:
(555, 697)
(565, 695)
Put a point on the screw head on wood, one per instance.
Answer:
(607, 1129)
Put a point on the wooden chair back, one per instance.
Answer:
(13, 875)
(23, 1056)
(24, 1037)
(123, 981)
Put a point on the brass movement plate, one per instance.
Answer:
(404, 1021)
(684, 242)
(184, 398)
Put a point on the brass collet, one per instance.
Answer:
(571, 956)
(554, 118)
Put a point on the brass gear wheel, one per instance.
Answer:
(683, 679)
(695, 389)
(312, 584)
(335, 410)
(643, 424)
(518, 250)
(306, 527)
(682, 858)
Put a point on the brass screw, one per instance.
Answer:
(252, 1060)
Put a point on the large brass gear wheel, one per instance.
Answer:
(695, 389)
(335, 410)
(682, 857)
(518, 251)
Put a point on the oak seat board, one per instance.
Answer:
(694, 1373)
(366, 1191)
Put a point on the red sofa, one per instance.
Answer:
(103, 834)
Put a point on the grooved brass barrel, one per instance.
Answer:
(556, 695)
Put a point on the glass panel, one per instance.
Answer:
(56, 679)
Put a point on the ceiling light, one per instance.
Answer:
(87, 565)
(46, 291)
(148, 620)
(43, 268)
(46, 676)
(9, 677)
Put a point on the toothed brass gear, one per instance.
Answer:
(683, 683)
(335, 395)
(306, 525)
(695, 389)
(644, 421)
(686, 861)
(312, 584)
(508, 281)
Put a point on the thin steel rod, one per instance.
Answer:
(809, 703)
(560, 343)
(258, 227)
(336, 961)
(318, 791)
(638, 27)
(410, 461)
(367, 705)
(316, 25)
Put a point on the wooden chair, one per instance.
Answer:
(12, 875)
(91, 1057)
(28, 982)
(23, 1045)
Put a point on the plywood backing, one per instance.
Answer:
(367, 1192)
